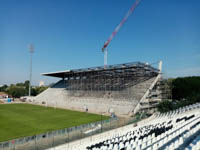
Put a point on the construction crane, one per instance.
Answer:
(105, 49)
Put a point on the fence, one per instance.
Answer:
(54, 138)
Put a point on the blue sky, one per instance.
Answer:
(69, 34)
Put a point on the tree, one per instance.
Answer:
(3, 88)
(26, 85)
(21, 89)
(185, 91)
(16, 91)
(38, 90)
(20, 84)
(186, 87)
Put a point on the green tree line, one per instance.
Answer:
(185, 91)
(21, 89)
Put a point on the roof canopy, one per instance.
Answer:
(134, 68)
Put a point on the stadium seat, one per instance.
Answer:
(178, 129)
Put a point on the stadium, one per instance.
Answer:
(127, 106)
(119, 91)
(85, 108)
(122, 89)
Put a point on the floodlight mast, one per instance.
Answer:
(31, 50)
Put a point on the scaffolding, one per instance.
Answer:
(112, 78)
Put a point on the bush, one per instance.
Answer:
(165, 105)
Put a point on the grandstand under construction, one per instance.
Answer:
(121, 89)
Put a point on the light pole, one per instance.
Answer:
(31, 50)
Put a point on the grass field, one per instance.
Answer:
(18, 120)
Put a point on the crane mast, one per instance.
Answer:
(104, 48)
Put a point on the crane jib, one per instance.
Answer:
(121, 23)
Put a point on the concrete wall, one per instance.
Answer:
(121, 102)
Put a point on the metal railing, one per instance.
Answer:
(58, 137)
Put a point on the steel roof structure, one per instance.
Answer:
(136, 69)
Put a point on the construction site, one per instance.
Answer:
(122, 106)
(122, 89)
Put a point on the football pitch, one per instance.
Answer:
(19, 120)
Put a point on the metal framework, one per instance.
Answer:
(112, 78)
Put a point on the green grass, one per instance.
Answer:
(19, 120)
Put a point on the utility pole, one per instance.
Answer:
(31, 50)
